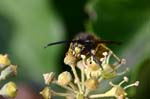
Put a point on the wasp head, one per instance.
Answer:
(82, 44)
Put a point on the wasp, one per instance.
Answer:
(89, 45)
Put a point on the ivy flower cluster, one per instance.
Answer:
(7, 69)
(92, 73)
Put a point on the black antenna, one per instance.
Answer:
(61, 42)
(55, 43)
(82, 41)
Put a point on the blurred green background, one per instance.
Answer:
(26, 26)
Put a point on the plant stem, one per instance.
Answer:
(76, 78)
(87, 91)
(80, 96)
(62, 94)
(82, 78)
(73, 86)
(99, 96)
(65, 87)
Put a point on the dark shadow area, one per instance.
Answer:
(73, 15)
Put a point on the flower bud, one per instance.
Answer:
(91, 84)
(9, 90)
(4, 60)
(48, 77)
(10, 70)
(46, 93)
(64, 78)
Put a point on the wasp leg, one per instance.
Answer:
(113, 54)
(96, 60)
